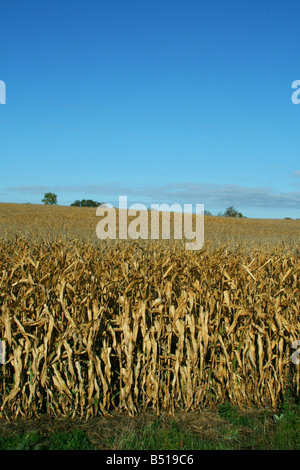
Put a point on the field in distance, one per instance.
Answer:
(52, 223)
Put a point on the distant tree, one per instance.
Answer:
(232, 212)
(86, 203)
(206, 212)
(50, 198)
(76, 203)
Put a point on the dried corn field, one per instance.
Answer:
(90, 327)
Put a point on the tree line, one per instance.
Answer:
(51, 198)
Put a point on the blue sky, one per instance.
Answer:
(184, 101)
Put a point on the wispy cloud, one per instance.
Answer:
(297, 178)
(89, 188)
(213, 195)
(224, 195)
